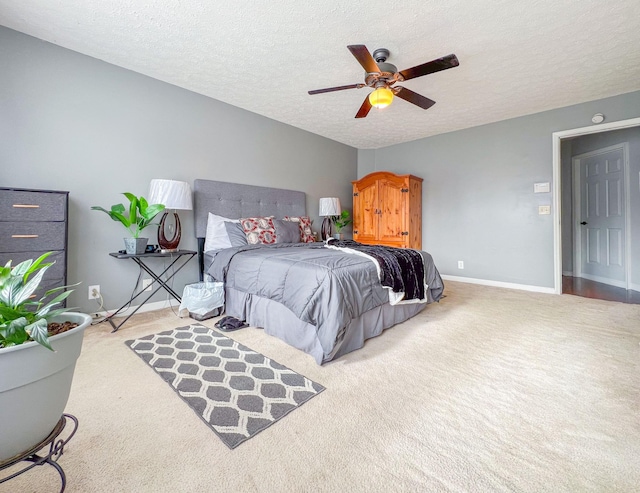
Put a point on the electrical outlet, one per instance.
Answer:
(94, 292)
(146, 285)
(460, 264)
(544, 209)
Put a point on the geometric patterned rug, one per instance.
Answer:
(236, 391)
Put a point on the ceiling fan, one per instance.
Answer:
(382, 76)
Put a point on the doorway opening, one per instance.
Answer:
(596, 211)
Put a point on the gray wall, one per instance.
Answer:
(587, 143)
(71, 122)
(478, 200)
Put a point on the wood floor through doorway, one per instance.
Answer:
(591, 289)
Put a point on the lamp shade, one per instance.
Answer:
(173, 194)
(330, 206)
(381, 97)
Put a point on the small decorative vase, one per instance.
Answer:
(135, 246)
(338, 236)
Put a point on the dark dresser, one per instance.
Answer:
(33, 222)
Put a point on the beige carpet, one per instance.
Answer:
(489, 390)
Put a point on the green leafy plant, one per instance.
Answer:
(21, 318)
(138, 217)
(341, 221)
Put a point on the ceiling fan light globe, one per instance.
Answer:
(381, 97)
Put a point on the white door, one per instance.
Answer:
(600, 215)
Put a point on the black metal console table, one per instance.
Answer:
(56, 449)
(181, 255)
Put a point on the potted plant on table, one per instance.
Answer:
(39, 346)
(138, 217)
(340, 222)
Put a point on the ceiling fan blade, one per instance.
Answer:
(337, 88)
(414, 97)
(364, 109)
(437, 65)
(364, 58)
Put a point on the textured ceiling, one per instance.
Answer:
(517, 57)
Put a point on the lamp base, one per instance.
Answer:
(326, 228)
(168, 250)
(165, 244)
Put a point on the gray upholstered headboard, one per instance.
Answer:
(234, 201)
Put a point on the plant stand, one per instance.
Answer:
(56, 449)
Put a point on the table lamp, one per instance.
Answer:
(329, 207)
(174, 195)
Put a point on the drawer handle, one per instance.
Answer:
(24, 236)
(26, 206)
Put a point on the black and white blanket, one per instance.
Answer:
(401, 270)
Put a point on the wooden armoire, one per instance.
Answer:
(387, 210)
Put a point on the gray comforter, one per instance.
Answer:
(322, 287)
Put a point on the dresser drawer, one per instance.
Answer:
(57, 271)
(32, 236)
(19, 205)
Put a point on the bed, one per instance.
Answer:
(322, 301)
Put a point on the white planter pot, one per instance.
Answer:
(34, 386)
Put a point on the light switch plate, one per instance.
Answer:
(541, 187)
(544, 209)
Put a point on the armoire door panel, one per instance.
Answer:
(415, 214)
(393, 205)
(365, 217)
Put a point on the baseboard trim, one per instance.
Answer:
(567, 273)
(147, 307)
(500, 284)
(634, 287)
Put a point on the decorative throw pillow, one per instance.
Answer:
(306, 235)
(259, 230)
(286, 231)
(235, 233)
(217, 237)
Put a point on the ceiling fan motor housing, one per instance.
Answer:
(380, 55)
(387, 68)
(387, 75)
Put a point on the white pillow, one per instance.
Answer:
(217, 237)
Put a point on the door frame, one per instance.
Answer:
(556, 139)
(576, 215)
